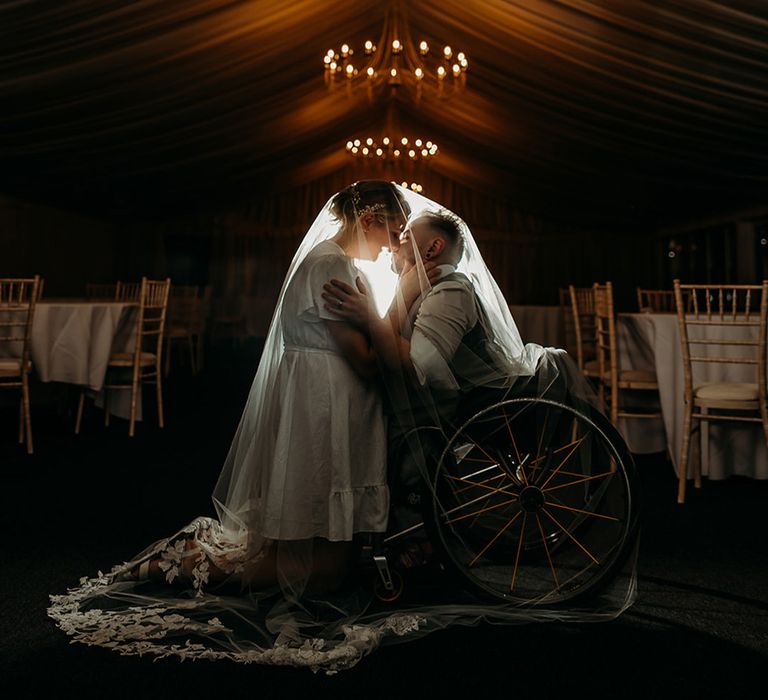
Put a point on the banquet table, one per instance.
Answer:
(651, 341)
(72, 339)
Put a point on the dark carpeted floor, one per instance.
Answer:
(83, 503)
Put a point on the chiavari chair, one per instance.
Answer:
(98, 291)
(660, 301)
(145, 361)
(613, 380)
(706, 319)
(583, 315)
(188, 308)
(18, 297)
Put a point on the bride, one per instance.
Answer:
(271, 579)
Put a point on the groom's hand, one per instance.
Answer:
(354, 306)
(411, 286)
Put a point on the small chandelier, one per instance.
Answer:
(392, 149)
(396, 62)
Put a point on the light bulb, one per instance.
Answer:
(379, 152)
(412, 153)
(461, 57)
(396, 45)
(404, 140)
(447, 52)
(357, 142)
(349, 145)
(326, 60)
(397, 153)
(423, 47)
(370, 72)
(424, 152)
(385, 140)
(418, 143)
(456, 69)
(441, 72)
(333, 65)
(418, 73)
(405, 184)
(344, 49)
(330, 53)
(429, 144)
(365, 151)
(368, 46)
(350, 70)
(393, 72)
(355, 149)
(369, 141)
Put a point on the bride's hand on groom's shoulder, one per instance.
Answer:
(355, 306)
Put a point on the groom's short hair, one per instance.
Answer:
(449, 227)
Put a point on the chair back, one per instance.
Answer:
(715, 314)
(128, 291)
(18, 297)
(659, 301)
(605, 331)
(101, 291)
(150, 323)
(583, 314)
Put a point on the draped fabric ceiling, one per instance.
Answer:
(594, 113)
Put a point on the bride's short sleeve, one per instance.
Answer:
(322, 270)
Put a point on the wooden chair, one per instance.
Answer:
(188, 309)
(101, 291)
(713, 315)
(17, 311)
(128, 291)
(660, 301)
(146, 359)
(583, 314)
(612, 379)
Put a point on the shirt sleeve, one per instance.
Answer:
(446, 315)
(323, 270)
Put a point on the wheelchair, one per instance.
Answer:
(526, 500)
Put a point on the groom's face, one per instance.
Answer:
(412, 239)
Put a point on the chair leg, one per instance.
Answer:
(167, 368)
(159, 388)
(79, 416)
(682, 468)
(134, 398)
(21, 420)
(27, 417)
(705, 443)
(764, 416)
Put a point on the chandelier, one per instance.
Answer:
(395, 61)
(390, 149)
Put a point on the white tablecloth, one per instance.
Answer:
(72, 340)
(652, 341)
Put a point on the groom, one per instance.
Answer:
(436, 335)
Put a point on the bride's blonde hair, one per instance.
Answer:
(377, 197)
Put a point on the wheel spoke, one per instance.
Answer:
(495, 537)
(492, 478)
(481, 485)
(477, 512)
(584, 512)
(517, 555)
(546, 549)
(564, 460)
(580, 481)
(570, 536)
(514, 444)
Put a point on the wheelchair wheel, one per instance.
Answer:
(535, 502)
